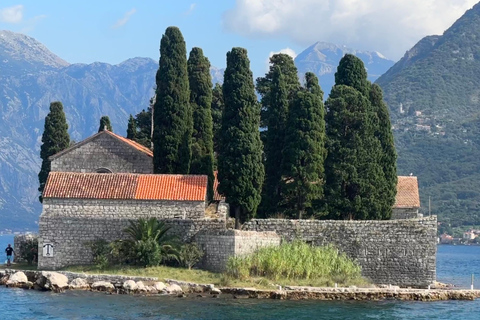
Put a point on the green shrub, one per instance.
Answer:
(295, 261)
(190, 254)
(29, 251)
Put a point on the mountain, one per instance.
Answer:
(322, 58)
(434, 98)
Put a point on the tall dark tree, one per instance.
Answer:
(388, 156)
(201, 102)
(55, 138)
(131, 128)
(240, 167)
(217, 109)
(264, 84)
(304, 152)
(351, 72)
(143, 124)
(173, 123)
(274, 143)
(105, 124)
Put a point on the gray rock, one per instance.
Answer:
(103, 286)
(173, 289)
(17, 279)
(130, 285)
(79, 284)
(159, 286)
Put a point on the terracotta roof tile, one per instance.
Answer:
(125, 186)
(216, 196)
(132, 143)
(407, 193)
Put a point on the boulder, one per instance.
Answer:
(151, 289)
(215, 291)
(129, 285)
(103, 286)
(79, 284)
(141, 287)
(159, 286)
(173, 289)
(4, 279)
(54, 281)
(18, 279)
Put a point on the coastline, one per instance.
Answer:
(150, 286)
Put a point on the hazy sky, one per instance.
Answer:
(113, 31)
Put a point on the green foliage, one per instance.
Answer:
(105, 124)
(55, 138)
(190, 254)
(304, 149)
(29, 251)
(217, 109)
(240, 167)
(351, 72)
(100, 250)
(149, 242)
(143, 126)
(295, 261)
(173, 123)
(201, 103)
(131, 128)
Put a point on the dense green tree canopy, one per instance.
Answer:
(105, 124)
(55, 138)
(240, 167)
(173, 123)
(143, 125)
(201, 103)
(351, 72)
(304, 151)
(131, 128)
(217, 110)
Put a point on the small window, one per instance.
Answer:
(103, 170)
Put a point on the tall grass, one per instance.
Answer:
(295, 260)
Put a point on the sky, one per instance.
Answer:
(112, 31)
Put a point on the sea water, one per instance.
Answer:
(455, 264)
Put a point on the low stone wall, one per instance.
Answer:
(219, 245)
(69, 236)
(405, 213)
(131, 209)
(399, 252)
(18, 242)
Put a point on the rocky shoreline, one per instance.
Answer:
(115, 284)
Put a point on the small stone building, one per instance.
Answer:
(407, 201)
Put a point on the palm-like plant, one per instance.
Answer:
(149, 242)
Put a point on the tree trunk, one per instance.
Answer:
(237, 217)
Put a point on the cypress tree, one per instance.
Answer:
(173, 124)
(201, 102)
(351, 72)
(131, 129)
(240, 167)
(274, 142)
(105, 123)
(217, 110)
(388, 156)
(143, 125)
(304, 152)
(55, 138)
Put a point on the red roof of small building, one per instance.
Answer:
(131, 143)
(407, 193)
(126, 186)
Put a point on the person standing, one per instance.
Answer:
(9, 251)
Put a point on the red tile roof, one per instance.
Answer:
(131, 143)
(125, 186)
(216, 196)
(407, 193)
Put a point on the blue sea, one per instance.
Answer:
(455, 264)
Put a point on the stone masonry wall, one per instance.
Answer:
(104, 151)
(70, 236)
(19, 241)
(131, 209)
(398, 252)
(405, 213)
(219, 245)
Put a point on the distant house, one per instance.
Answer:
(469, 235)
(446, 239)
(407, 201)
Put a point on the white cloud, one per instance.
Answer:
(287, 50)
(124, 20)
(190, 9)
(388, 26)
(12, 14)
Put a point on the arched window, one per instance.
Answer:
(103, 170)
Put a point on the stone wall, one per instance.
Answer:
(219, 245)
(405, 213)
(398, 252)
(70, 236)
(131, 209)
(19, 241)
(104, 151)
